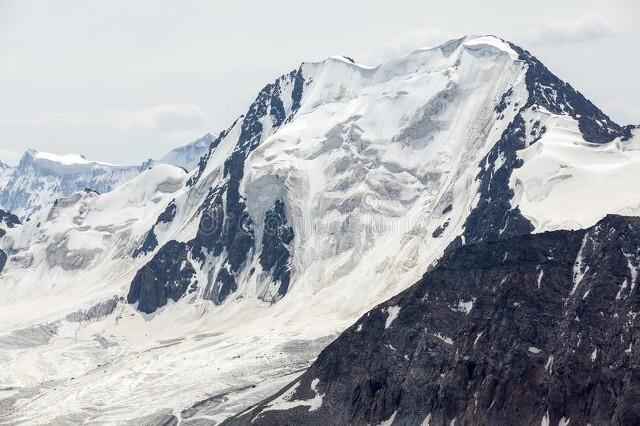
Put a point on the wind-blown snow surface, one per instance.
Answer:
(568, 183)
(375, 171)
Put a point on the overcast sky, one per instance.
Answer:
(122, 81)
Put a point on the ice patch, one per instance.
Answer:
(624, 285)
(444, 338)
(427, 420)
(284, 401)
(633, 271)
(478, 336)
(463, 306)
(390, 420)
(392, 314)
(545, 420)
(540, 275)
(549, 365)
(578, 272)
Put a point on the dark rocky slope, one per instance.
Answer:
(7, 220)
(538, 329)
(169, 275)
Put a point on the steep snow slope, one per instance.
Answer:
(335, 191)
(188, 156)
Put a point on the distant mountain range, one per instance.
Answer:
(41, 177)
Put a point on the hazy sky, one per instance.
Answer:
(123, 81)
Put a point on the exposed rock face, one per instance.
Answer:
(536, 329)
(276, 238)
(548, 91)
(150, 241)
(3, 260)
(99, 310)
(169, 275)
(7, 220)
(493, 216)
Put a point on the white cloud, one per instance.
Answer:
(117, 135)
(169, 118)
(570, 30)
(166, 118)
(407, 42)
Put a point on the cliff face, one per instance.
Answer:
(7, 220)
(530, 330)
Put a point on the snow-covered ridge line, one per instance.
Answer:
(65, 159)
(472, 42)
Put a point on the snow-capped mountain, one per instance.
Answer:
(41, 177)
(188, 156)
(191, 296)
(538, 329)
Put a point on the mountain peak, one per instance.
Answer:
(63, 159)
(492, 42)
